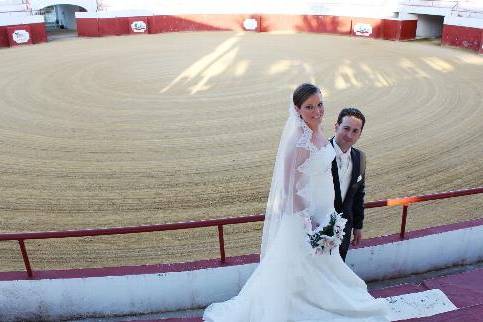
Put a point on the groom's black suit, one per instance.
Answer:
(353, 205)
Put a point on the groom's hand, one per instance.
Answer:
(357, 236)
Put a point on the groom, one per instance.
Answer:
(348, 172)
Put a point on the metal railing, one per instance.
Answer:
(474, 6)
(219, 223)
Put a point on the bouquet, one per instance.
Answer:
(323, 239)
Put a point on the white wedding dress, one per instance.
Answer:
(290, 284)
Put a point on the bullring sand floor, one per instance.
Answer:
(149, 129)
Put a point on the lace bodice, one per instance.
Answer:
(313, 181)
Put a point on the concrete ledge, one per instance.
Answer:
(418, 254)
(156, 288)
(20, 20)
(463, 22)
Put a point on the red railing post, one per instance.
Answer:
(405, 202)
(403, 221)
(25, 258)
(221, 240)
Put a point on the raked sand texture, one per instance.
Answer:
(152, 129)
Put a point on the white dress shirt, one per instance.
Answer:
(344, 167)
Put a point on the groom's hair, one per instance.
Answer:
(303, 92)
(351, 111)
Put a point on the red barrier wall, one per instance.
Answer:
(223, 22)
(465, 37)
(399, 29)
(87, 27)
(282, 23)
(113, 26)
(408, 29)
(306, 23)
(36, 30)
(131, 20)
(220, 21)
(376, 24)
(481, 43)
(336, 25)
(123, 25)
(3, 37)
(391, 29)
(158, 24)
(10, 34)
(38, 33)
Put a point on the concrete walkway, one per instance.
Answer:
(463, 285)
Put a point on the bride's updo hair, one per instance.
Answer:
(303, 92)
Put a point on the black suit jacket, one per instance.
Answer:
(353, 205)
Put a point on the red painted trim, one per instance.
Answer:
(171, 320)
(473, 314)
(131, 270)
(175, 320)
(463, 289)
(467, 314)
(398, 290)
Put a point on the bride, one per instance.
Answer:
(291, 283)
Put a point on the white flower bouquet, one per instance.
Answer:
(323, 239)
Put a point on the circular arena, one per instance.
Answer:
(124, 131)
(138, 140)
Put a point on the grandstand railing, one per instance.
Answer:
(467, 6)
(219, 223)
